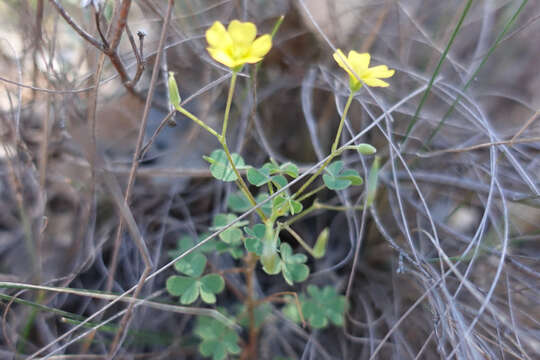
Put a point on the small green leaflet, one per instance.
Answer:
(338, 178)
(217, 340)
(221, 169)
(292, 265)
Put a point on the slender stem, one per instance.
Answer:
(304, 213)
(314, 176)
(240, 182)
(223, 140)
(311, 193)
(229, 102)
(198, 121)
(251, 304)
(342, 121)
(272, 298)
(339, 208)
(298, 238)
(333, 153)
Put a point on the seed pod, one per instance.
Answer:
(174, 95)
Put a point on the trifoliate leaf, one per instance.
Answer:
(336, 178)
(214, 348)
(324, 306)
(284, 202)
(217, 340)
(292, 265)
(261, 312)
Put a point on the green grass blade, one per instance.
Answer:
(507, 27)
(437, 70)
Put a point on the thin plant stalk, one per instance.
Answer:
(333, 152)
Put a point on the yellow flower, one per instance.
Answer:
(236, 45)
(359, 64)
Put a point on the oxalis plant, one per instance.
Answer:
(257, 244)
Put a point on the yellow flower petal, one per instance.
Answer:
(217, 36)
(251, 59)
(359, 67)
(374, 82)
(242, 33)
(236, 45)
(341, 59)
(381, 71)
(261, 46)
(222, 56)
(359, 62)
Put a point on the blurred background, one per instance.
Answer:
(444, 264)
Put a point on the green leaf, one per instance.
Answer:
(336, 178)
(365, 149)
(213, 283)
(233, 249)
(217, 340)
(294, 206)
(254, 241)
(213, 348)
(220, 167)
(279, 181)
(292, 265)
(177, 285)
(352, 176)
(232, 235)
(291, 310)
(284, 203)
(289, 169)
(267, 207)
(186, 287)
(238, 202)
(261, 312)
(207, 296)
(320, 245)
(192, 264)
(259, 177)
(191, 294)
(324, 306)
(189, 288)
(271, 173)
